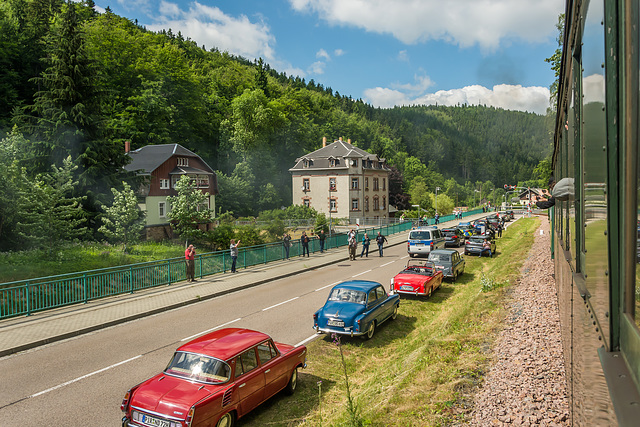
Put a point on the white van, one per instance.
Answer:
(423, 240)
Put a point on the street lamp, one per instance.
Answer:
(419, 217)
(437, 188)
(474, 197)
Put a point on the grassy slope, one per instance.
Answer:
(419, 369)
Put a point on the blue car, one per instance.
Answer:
(356, 308)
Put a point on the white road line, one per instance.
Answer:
(306, 340)
(84, 376)
(325, 287)
(209, 330)
(283, 302)
(360, 274)
(383, 265)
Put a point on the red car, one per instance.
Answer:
(214, 380)
(420, 277)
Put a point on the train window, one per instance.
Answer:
(593, 137)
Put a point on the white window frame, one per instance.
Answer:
(306, 184)
(355, 205)
(355, 183)
(162, 209)
(164, 183)
(183, 161)
(333, 205)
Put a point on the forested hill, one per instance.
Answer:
(76, 82)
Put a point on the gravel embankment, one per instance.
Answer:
(526, 383)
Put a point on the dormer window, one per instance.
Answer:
(183, 161)
(307, 163)
(333, 162)
(354, 162)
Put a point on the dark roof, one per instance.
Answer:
(151, 157)
(335, 150)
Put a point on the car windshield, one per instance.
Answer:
(420, 235)
(348, 295)
(438, 257)
(198, 367)
(449, 233)
(476, 240)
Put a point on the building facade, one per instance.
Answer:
(342, 181)
(162, 166)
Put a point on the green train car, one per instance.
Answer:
(596, 225)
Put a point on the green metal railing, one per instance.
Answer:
(25, 297)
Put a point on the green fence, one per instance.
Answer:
(29, 296)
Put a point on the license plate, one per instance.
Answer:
(153, 421)
(419, 245)
(440, 266)
(335, 323)
(406, 288)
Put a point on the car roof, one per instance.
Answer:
(443, 251)
(224, 343)
(358, 285)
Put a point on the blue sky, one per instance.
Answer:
(386, 52)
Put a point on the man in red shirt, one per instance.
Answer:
(189, 258)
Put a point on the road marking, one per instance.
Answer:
(209, 330)
(360, 274)
(306, 340)
(406, 256)
(283, 302)
(325, 287)
(383, 265)
(85, 376)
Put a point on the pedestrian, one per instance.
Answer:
(190, 260)
(233, 248)
(321, 238)
(486, 246)
(286, 243)
(353, 245)
(437, 218)
(500, 229)
(304, 241)
(380, 239)
(366, 241)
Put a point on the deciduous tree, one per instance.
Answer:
(122, 221)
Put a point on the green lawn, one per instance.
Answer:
(422, 368)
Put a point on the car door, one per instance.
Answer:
(275, 370)
(374, 309)
(249, 380)
(386, 307)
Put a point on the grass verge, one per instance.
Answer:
(422, 368)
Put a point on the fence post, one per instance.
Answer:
(224, 264)
(84, 288)
(169, 271)
(244, 258)
(28, 300)
(130, 279)
(200, 266)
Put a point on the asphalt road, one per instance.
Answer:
(81, 381)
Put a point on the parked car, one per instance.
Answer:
(423, 240)
(419, 277)
(214, 380)
(504, 216)
(474, 245)
(449, 262)
(511, 214)
(356, 308)
(483, 227)
(467, 228)
(452, 237)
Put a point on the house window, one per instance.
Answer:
(354, 205)
(183, 161)
(164, 184)
(366, 184)
(376, 203)
(306, 184)
(354, 163)
(333, 205)
(202, 181)
(354, 183)
(306, 203)
(376, 185)
(332, 184)
(384, 183)
(162, 211)
(174, 180)
(366, 204)
(384, 202)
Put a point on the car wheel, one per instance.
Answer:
(225, 421)
(370, 331)
(394, 315)
(293, 382)
(455, 276)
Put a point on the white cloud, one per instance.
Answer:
(211, 27)
(323, 54)
(317, 67)
(422, 84)
(487, 23)
(510, 97)
(339, 52)
(403, 56)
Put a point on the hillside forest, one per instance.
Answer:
(76, 84)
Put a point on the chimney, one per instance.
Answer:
(349, 140)
(340, 139)
(127, 146)
(324, 141)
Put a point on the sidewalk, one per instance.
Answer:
(23, 333)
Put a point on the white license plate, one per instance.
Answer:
(335, 323)
(153, 421)
(406, 288)
(419, 245)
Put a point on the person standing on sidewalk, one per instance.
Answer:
(304, 241)
(233, 248)
(286, 243)
(380, 239)
(321, 238)
(366, 241)
(353, 244)
(190, 260)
